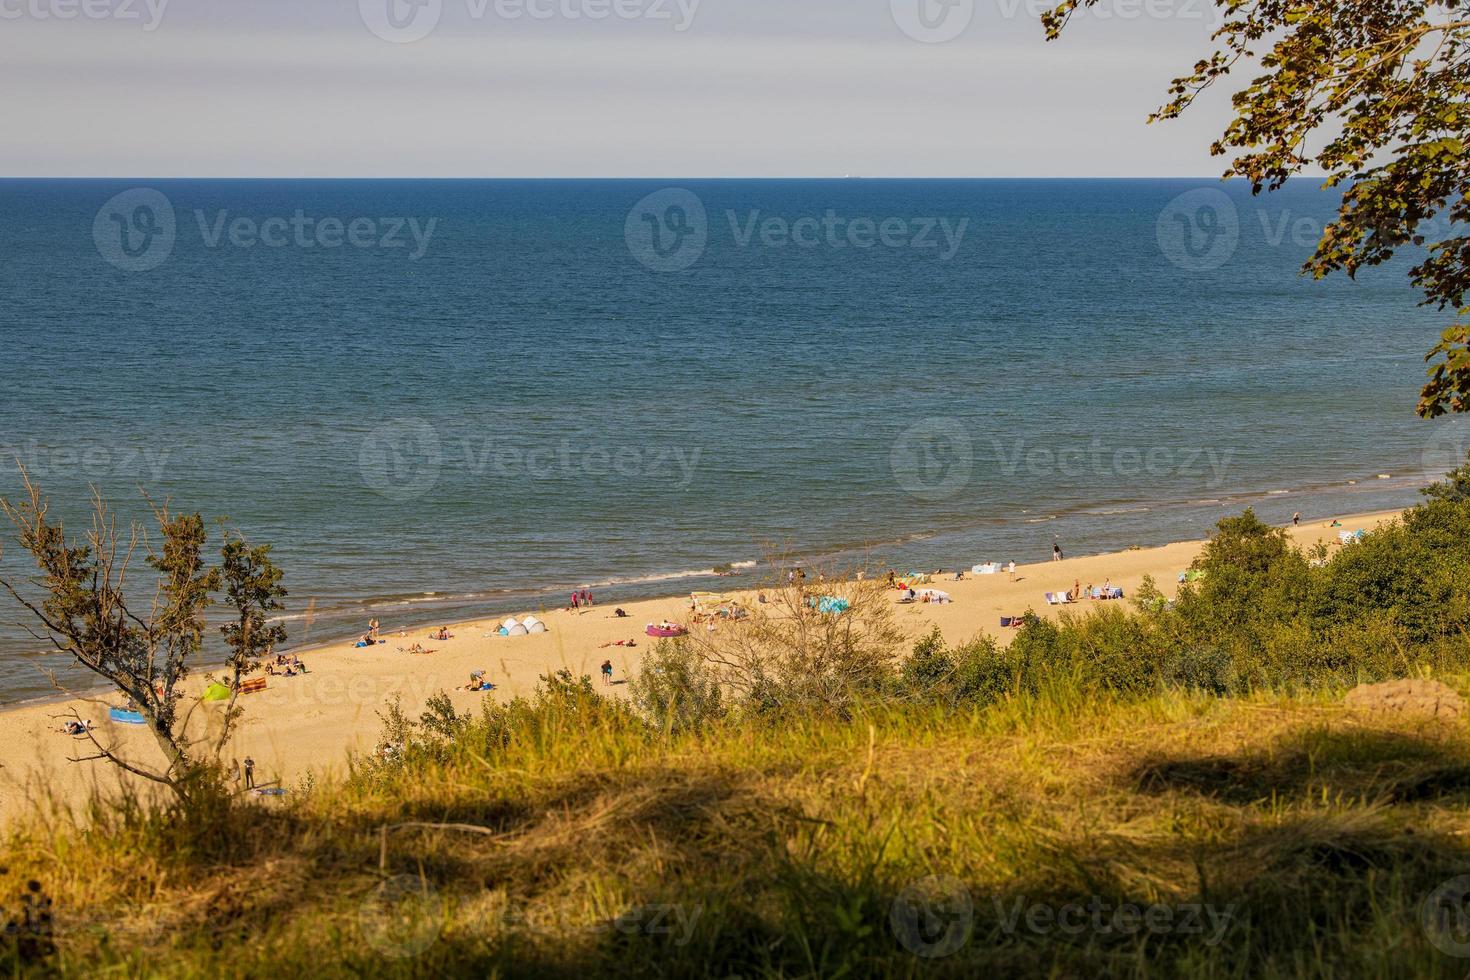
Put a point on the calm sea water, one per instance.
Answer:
(437, 397)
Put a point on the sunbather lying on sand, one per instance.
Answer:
(74, 727)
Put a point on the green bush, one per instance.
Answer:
(676, 690)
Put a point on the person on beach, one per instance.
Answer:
(607, 671)
(249, 773)
(1012, 569)
(235, 773)
(891, 578)
(1296, 519)
(576, 602)
(373, 627)
(587, 597)
(1056, 552)
(620, 613)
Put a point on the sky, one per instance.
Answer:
(584, 88)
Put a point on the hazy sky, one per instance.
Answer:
(596, 88)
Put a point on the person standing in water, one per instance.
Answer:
(1056, 552)
(1296, 519)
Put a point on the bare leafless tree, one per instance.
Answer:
(819, 638)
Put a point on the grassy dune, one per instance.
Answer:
(1271, 836)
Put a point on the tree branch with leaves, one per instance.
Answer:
(1382, 86)
(82, 605)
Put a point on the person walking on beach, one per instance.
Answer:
(576, 602)
(1056, 552)
(1296, 519)
(587, 598)
(249, 773)
(607, 672)
(1012, 569)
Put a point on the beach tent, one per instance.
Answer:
(990, 568)
(509, 623)
(216, 692)
(833, 605)
(533, 625)
(516, 630)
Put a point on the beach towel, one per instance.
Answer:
(253, 686)
(125, 717)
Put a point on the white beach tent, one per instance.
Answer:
(533, 625)
(516, 630)
(509, 623)
(990, 568)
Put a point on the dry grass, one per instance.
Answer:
(793, 848)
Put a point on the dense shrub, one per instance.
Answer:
(676, 690)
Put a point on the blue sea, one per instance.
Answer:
(441, 398)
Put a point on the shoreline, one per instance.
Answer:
(454, 603)
(313, 723)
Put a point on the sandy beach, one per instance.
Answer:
(311, 723)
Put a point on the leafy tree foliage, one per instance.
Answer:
(143, 642)
(1373, 93)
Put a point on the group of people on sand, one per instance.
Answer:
(581, 599)
(1078, 593)
(285, 666)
